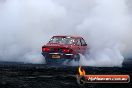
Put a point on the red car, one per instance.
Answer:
(61, 48)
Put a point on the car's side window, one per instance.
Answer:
(83, 42)
(78, 42)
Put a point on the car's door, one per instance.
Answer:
(83, 46)
(78, 46)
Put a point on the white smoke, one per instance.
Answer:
(105, 28)
(26, 25)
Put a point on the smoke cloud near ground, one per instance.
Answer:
(26, 25)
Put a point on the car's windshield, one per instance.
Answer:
(62, 40)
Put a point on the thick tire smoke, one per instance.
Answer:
(26, 25)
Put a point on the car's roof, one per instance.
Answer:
(68, 36)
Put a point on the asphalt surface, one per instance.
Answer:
(20, 75)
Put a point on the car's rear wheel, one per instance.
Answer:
(77, 57)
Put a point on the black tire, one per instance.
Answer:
(77, 57)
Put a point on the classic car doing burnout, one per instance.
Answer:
(62, 48)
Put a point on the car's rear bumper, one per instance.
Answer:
(62, 59)
(62, 55)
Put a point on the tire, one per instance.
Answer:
(77, 57)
